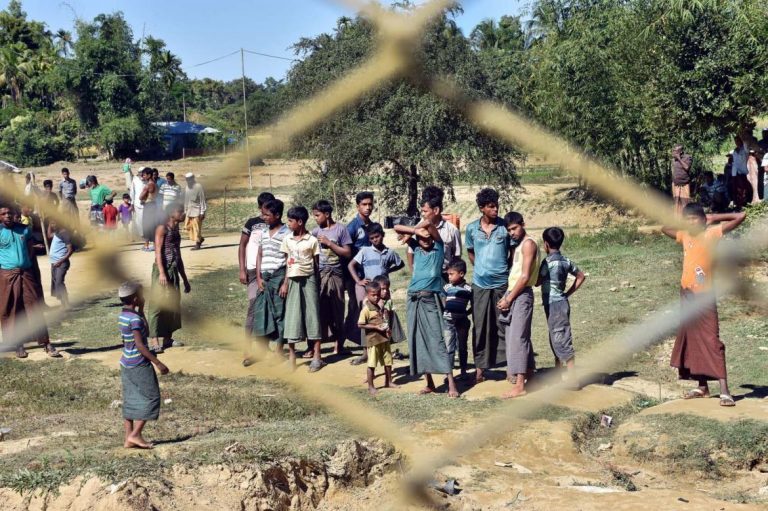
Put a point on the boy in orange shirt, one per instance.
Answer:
(698, 353)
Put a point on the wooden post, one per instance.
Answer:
(225, 207)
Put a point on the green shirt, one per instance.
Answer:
(98, 194)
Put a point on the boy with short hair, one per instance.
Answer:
(247, 258)
(335, 248)
(553, 275)
(268, 309)
(428, 351)
(458, 301)
(125, 209)
(517, 305)
(370, 262)
(302, 308)
(698, 353)
(374, 321)
(358, 233)
(60, 252)
(398, 334)
(141, 391)
(110, 214)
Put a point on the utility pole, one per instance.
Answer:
(184, 106)
(245, 119)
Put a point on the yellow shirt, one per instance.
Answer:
(300, 255)
(372, 314)
(517, 265)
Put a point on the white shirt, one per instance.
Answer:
(137, 186)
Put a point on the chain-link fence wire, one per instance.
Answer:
(398, 35)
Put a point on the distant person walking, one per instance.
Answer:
(739, 187)
(137, 186)
(194, 208)
(127, 173)
(681, 178)
(171, 191)
(68, 196)
(150, 214)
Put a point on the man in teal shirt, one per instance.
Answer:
(21, 317)
(488, 247)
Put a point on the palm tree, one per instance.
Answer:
(64, 42)
(169, 67)
(15, 68)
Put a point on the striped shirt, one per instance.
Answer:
(272, 258)
(554, 271)
(170, 193)
(457, 300)
(129, 321)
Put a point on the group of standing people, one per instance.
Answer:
(298, 282)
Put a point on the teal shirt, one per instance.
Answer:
(14, 250)
(427, 268)
(491, 269)
(98, 194)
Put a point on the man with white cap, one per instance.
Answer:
(194, 209)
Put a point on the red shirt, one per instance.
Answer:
(110, 216)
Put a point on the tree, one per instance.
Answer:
(64, 42)
(398, 138)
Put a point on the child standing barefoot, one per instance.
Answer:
(141, 392)
(374, 322)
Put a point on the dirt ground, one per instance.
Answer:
(543, 468)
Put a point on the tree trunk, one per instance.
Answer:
(413, 190)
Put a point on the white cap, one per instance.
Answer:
(128, 160)
(189, 175)
(127, 289)
(141, 169)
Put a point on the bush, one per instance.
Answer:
(33, 140)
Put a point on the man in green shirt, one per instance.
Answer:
(99, 194)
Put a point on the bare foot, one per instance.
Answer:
(453, 394)
(372, 391)
(391, 385)
(479, 379)
(513, 394)
(138, 442)
(426, 390)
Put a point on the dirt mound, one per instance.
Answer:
(292, 484)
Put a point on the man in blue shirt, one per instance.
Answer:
(358, 231)
(21, 317)
(488, 247)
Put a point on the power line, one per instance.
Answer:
(216, 59)
(271, 56)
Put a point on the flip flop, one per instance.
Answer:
(308, 354)
(362, 359)
(726, 400)
(52, 352)
(695, 394)
(316, 365)
(21, 352)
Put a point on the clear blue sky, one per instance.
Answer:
(198, 31)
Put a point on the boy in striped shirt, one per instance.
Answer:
(458, 303)
(141, 391)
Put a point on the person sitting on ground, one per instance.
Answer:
(706, 189)
(376, 259)
(302, 310)
(553, 275)
(428, 352)
(167, 274)
(141, 391)
(517, 305)
(374, 321)
(60, 254)
(458, 305)
(698, 353)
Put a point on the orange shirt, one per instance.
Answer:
(697, 258)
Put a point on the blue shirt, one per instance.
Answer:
(491, 268)
(14, 249)
(554, 273)
(427, 267)
(129, 321)
(457, 300)
(59, 246)
(377, 263)
(359, 234)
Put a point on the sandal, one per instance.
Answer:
(248, 362)
(52, 352)
(21, 352)
(726, 400)
(695, 394)
(316, 365)
(308, 354)
(362, 359)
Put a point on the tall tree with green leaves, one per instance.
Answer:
(400, 137)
